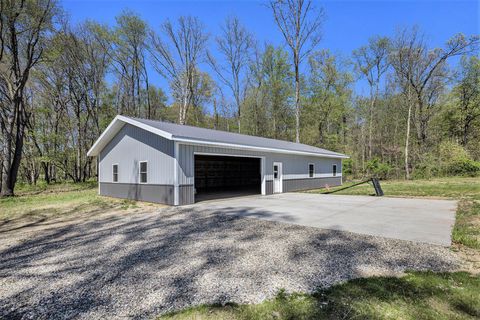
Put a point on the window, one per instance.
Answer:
(334, 170)
(115, 173)
(143, 171)
(311, 170)
(275, 172)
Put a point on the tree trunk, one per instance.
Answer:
(297, 104)
(1, 175)
(239, 122)
(215, 114)
(407, 140)
(182, 112)
(370, 125)
(13, 149)
(65, 173)
(13, 152)
(45, 172)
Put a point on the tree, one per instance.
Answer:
(371, 61)
(25, 27)
(128, 40)
(329, 95)
(234, 45)
(176, 55)
(421, 73)
(467, 95)
(277, 89)
(203, 88)
(300, 23)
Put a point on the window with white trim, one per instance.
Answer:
(275, 171)
(334, 170)
(311, 170)
(143, 171)
(115, 173)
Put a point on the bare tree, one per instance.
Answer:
(300, 23)
(371, 62)
(176, 55)
(234, 44)
(24, 28)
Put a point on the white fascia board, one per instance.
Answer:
(255, 148)
(109, 133)
(146, 127)
(105, 135)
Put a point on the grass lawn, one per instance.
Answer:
(417, 295)
(452, 188)
(42, 201)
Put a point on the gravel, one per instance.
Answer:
(144, 264)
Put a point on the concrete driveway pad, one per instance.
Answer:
(413, 219)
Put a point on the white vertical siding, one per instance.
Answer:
(294, 166)
(132, 145)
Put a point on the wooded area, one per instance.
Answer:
(62, 83)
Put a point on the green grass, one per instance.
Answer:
(467, 224)
(418, 295)
(57, 199)
(453, 188)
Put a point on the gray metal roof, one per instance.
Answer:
(209, 135)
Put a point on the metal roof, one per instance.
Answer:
(196, 135)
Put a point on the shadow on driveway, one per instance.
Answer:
(145, 264)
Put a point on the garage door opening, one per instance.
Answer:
(219, 177)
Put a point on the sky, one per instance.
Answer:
(348, 25)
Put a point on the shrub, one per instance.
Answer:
(449, 159)
(449, 152)
(428, 167)
(378, 169)
(347, 167)
(463, 167)
(455, 160)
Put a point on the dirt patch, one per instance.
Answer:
(469, 257)
(59, 215)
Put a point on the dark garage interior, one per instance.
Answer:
(225, 176)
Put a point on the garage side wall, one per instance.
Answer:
(129, 147)
(295, 169)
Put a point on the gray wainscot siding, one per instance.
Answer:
(295, 169)
(143, 192)
(310, 183)
(269, 187)
(186, 194)
(129, 147)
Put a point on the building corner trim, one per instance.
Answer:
(176, 187)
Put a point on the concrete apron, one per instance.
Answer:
(413, 219)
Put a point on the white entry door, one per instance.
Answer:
(277, 177)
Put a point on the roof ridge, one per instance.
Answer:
(233, 133)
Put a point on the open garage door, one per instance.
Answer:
(226, 176)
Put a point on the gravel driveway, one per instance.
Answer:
(141, 265)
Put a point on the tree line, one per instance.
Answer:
(62, 83)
